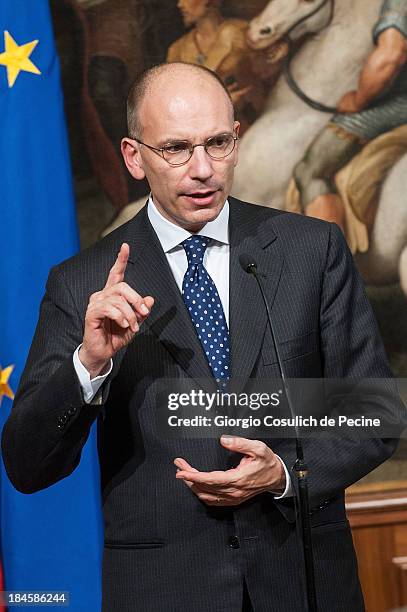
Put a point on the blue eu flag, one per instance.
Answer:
(51, 540)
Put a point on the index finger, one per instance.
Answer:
(116, 274)
(208, 478)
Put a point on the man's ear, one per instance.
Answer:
(132, 158)
(236, 128)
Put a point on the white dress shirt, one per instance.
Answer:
(216, 262)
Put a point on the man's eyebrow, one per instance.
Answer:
(168, 141)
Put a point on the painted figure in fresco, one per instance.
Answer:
(114, 56)
(338, 39)
(221, 45)
(377, 106)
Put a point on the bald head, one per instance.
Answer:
(170, 80)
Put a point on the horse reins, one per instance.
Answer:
(291, 82)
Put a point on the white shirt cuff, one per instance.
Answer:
(89, 386)
(288, 491)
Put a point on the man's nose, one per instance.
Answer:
(200, 164)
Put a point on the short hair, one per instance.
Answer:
(142, 83)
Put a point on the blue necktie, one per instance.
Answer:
(205, 308)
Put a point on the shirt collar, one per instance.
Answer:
(171, 235)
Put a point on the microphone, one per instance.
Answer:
(249, 265)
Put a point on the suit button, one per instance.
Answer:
(233, 542)
(72, 410)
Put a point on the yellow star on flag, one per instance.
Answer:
(16, 58)
(4, 386)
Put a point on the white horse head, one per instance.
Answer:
(279, 16)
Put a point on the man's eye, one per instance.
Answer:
(176, 147)
(219, 141)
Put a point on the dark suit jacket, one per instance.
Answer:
(164, 549)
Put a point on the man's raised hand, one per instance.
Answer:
(113, 317)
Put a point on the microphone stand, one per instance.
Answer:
(300, 467)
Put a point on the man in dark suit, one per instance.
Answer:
(118, 318)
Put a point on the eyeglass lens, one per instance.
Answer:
(217, 147)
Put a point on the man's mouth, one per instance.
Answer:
(201, 198)
(200, 194)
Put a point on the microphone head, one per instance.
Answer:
(248, 263)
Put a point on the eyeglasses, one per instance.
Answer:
(179, 152)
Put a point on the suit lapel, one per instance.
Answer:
(251, 233)
(149, 273)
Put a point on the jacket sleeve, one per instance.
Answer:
(49, 423)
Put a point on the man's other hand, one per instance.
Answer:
(259, 470)
(113, 317)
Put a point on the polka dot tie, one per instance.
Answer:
(205, 308)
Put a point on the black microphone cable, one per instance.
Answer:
(249, 265)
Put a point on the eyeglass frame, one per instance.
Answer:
(160, 151)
